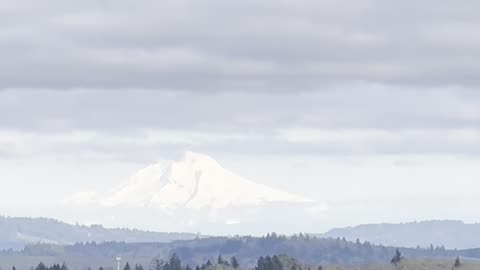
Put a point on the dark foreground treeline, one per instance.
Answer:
(281, 262)
(275, 262)
(310, 250)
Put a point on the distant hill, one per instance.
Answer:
(449, 233)
(15, 233)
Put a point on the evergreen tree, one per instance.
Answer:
(220, 260)
(139, 267)
(457, 262)
(173, 264)
(13, 268)
(260, 264)
(127, 267)
(397, 257)
(41, 266)
(157, 264)
(277, 264)
(268, 263)
(234, 262)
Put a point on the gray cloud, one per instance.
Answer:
(348, 107)
(245, 45)
(109, 77)
(138, 125)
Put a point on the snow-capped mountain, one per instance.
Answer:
(195, 181)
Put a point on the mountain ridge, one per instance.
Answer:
(448, 233)
(16, 232)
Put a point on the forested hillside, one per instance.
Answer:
(15, 233)
(449, 233)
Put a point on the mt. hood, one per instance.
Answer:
(196, 181)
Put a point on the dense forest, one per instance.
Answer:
(245, 249)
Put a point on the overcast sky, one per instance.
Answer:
(340, 101)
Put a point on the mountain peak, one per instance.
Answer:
(190, 156)
(194, 181)
(197, 160)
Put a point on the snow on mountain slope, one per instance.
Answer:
(193, 182)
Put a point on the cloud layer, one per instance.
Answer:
(242, 45)
(358, 119)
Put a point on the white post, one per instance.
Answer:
(118, 262)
